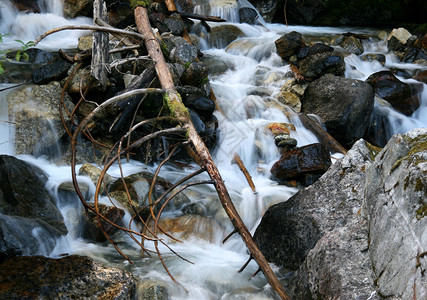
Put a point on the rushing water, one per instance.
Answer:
(255, 69)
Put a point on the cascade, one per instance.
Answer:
(253, 69)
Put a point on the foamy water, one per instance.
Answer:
(243, 119)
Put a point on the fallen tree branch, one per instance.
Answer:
(321, 134)
(237, 160)
(87, 27)
(197, 17)
(177, 108)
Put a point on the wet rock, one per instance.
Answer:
(38, 127)
(282, 137)
(421, 76)
(138, 186)
(184, 54)
(195, 74)
(267, 8)
(377, 132)
(400, 95)
(321, 234)
(190, 226)
(345, 105)
(38, 56)
(71, 277)
(289, 44)
(290, 99)
(319, 48)
(396, 193)
(174, 24)
(223, 35)
(67, 193)
(93, 173)
(92, 225)
(74, 8)
(26, 5)
(85, 43)
(27, 208)
(350, 43)
(81, 80)
(202, 105)
(374, 57)
(153, 290)
(318, 64)
(53, 71)
(216, 65)
(248, 15)
(398, 39)
(296, 164)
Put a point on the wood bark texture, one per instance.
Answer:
(100, 45)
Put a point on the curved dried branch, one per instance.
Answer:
(87, 27)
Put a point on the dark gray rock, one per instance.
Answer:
(38, 56)
(175, 24)
(195, 74)
(289, 44)
(402, 96)
(52, 71)
(202, 105)
(28, 210)
(317, 64)
(345, 105)
(71, 277)
(321, 234)
(396, 196)
(350, 43)
(248, 15)
(184, 54)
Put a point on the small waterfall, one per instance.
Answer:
(28, 26)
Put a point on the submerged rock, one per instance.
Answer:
(38, 127)
(71, 277)
(138, 186)
(345, 105)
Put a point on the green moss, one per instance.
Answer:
(421, 212)
(373, 150)
(165, 50)
(175, 106)
(406, 182)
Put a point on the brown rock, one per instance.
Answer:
(300, 162)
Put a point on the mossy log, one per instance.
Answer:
(177, 108)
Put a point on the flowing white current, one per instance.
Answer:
(246, 98)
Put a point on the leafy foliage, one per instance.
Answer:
(20, 55)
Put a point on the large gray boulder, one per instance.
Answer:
(321, 233)
(30, 220)
(345, 105)
(396, 196)
(359, 231)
